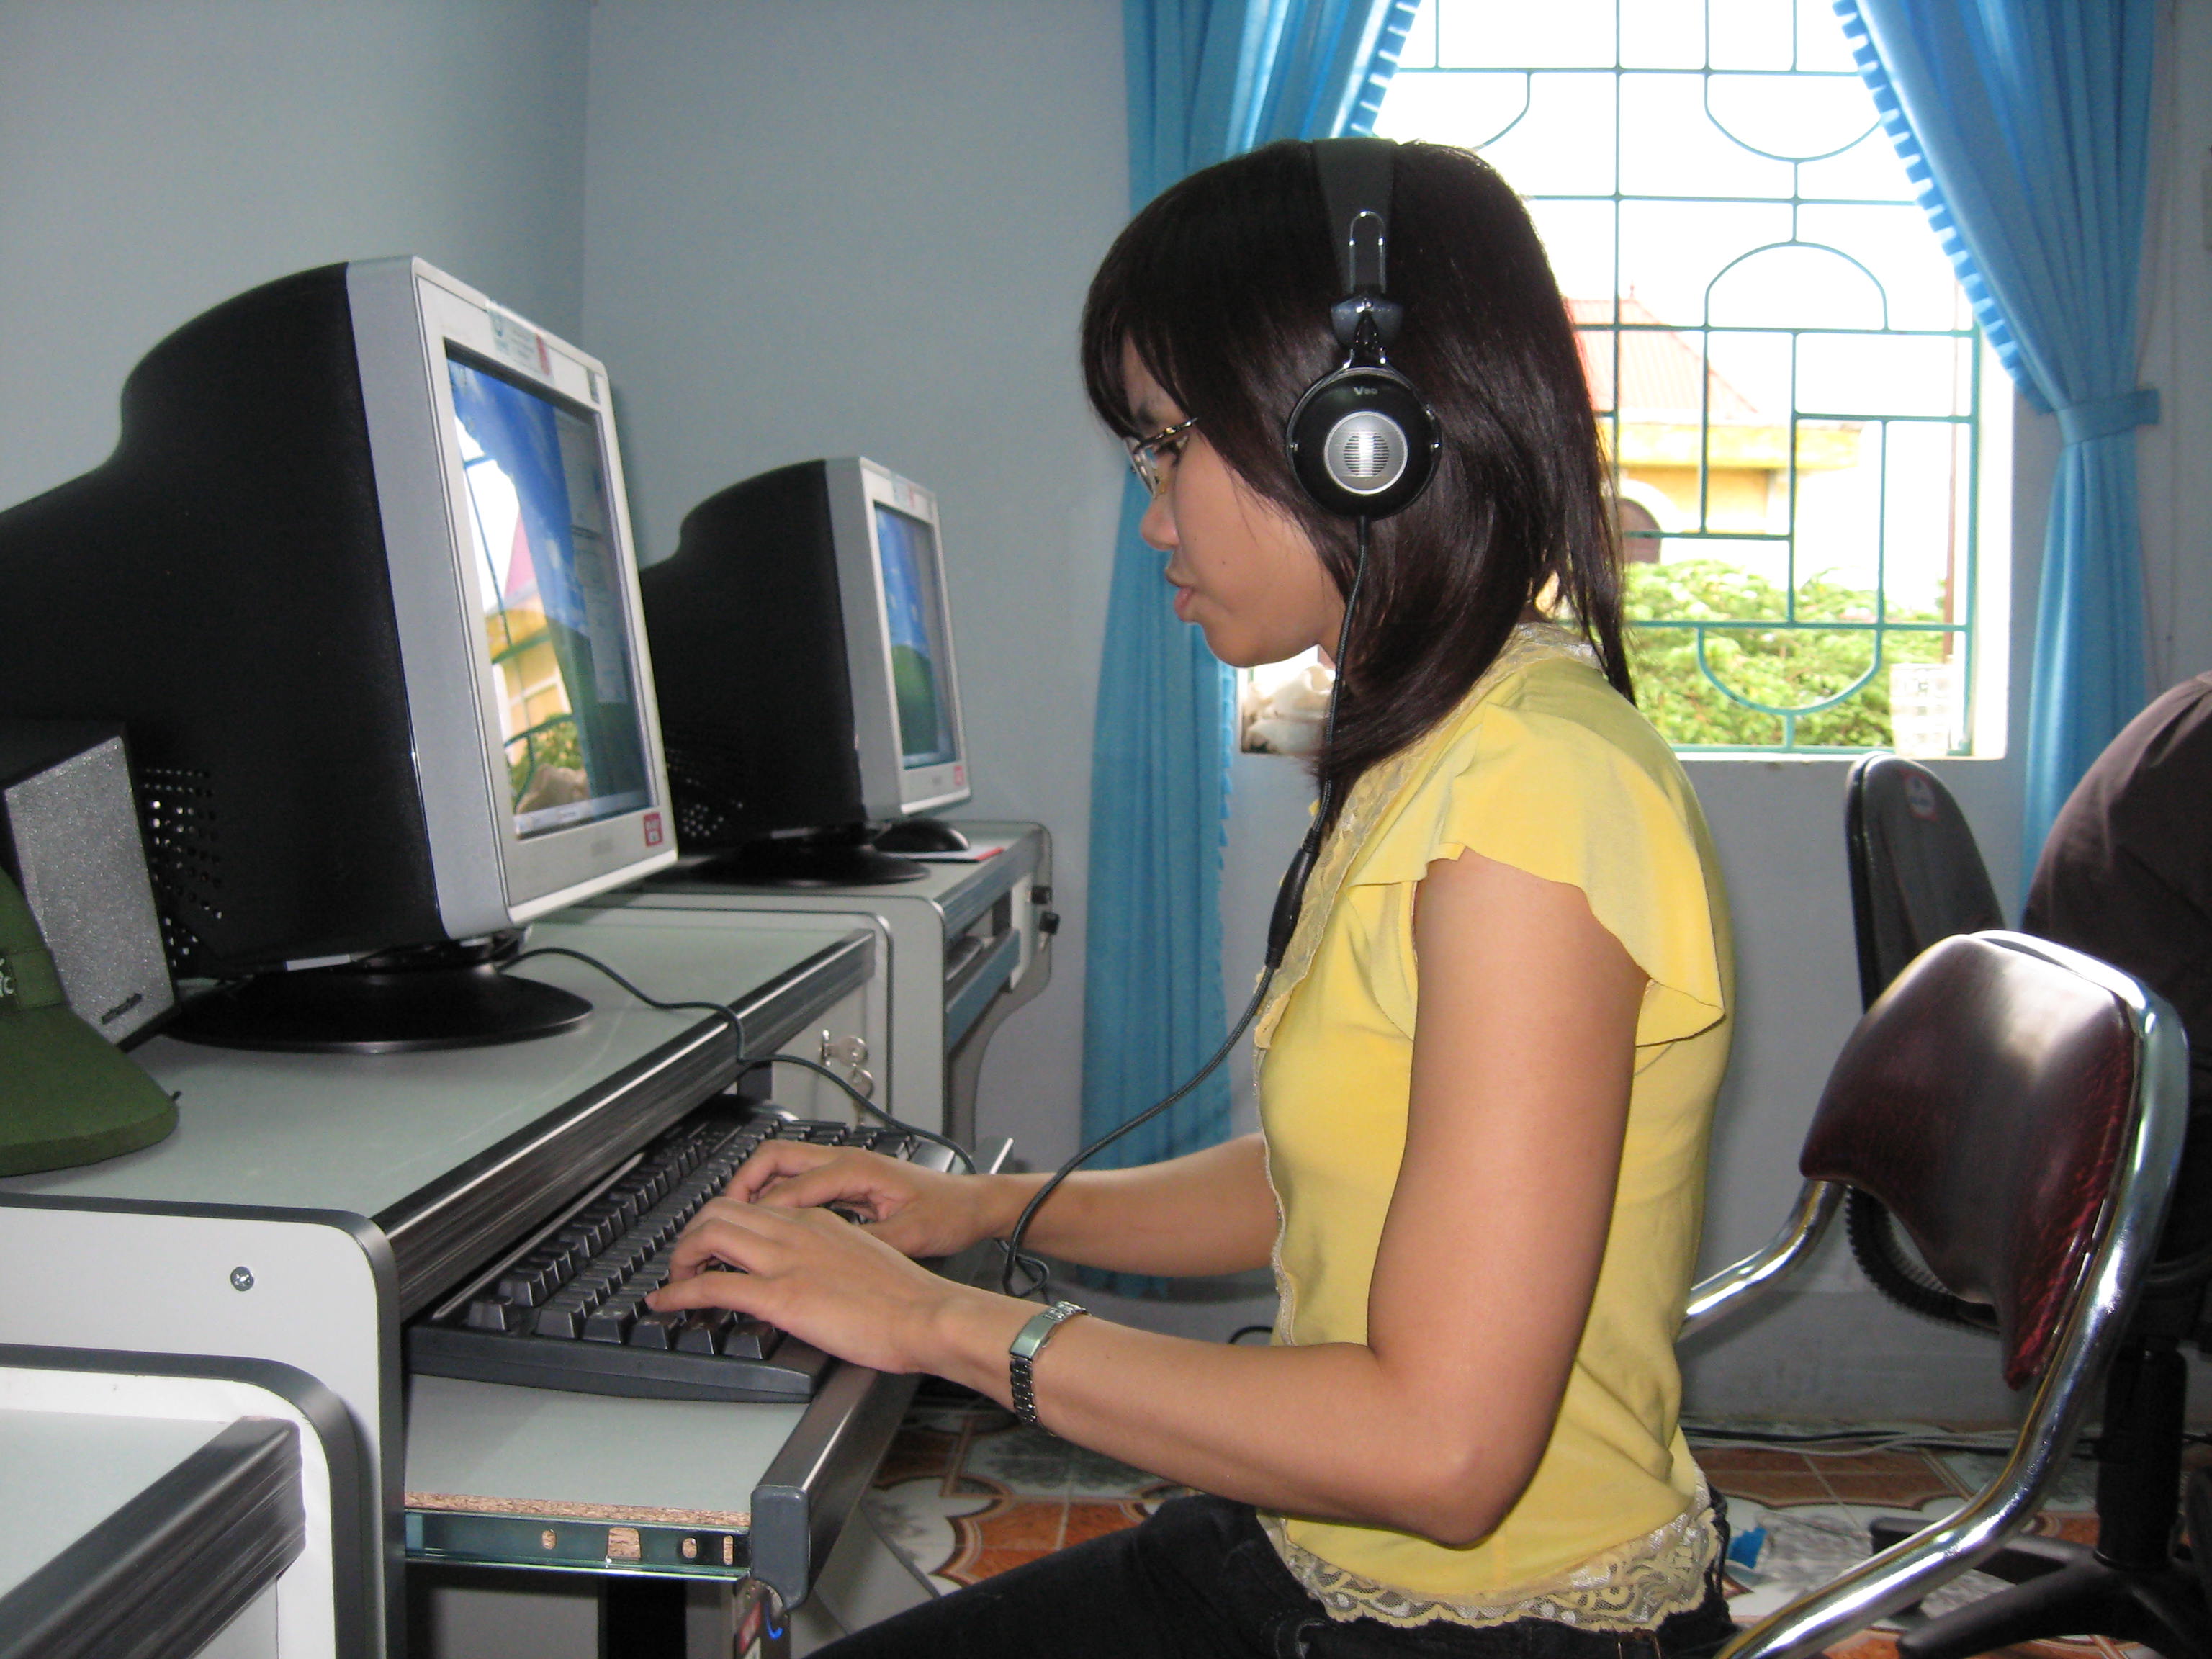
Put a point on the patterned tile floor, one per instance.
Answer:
(967, 1491)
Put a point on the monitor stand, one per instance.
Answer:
(824, 858)
(430, 996)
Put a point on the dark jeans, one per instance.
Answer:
(1200, 1581)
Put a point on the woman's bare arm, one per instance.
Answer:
(1435, 1424)
(1211, 1211)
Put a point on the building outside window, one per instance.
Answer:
(1785, 368)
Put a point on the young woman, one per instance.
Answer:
(1488, 1062)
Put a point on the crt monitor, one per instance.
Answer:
(803, 644)
(358, 581)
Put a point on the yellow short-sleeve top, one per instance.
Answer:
(1546, 768)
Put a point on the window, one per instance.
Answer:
(1785, 369)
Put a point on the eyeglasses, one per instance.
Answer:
(1146, 454)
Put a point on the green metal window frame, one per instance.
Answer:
(1960, 599)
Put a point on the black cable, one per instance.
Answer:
(737, 1032)
(1290, 899)
(865, 1105)
(723, 1009)
(1014, 1240)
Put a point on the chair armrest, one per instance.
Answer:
(1734, 1286)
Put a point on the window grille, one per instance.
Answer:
(1786, 372)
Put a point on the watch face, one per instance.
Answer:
(1024, 1349)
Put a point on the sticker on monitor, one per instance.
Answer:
(554, 643)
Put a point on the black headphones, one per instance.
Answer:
(1362, 439)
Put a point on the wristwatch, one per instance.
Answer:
(1023, 1351)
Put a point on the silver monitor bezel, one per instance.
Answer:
(889, 788)
(486, 876)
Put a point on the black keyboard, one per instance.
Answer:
(568, 1310)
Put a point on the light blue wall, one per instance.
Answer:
(855, 226)
(866, 227)
(156, 158)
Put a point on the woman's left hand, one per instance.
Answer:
(814, 1274)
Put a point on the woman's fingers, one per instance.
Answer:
(777, 1160)
(727, 1232)
(863, 1180)
(916, 1211)
(735, 1292)
(820, 1278)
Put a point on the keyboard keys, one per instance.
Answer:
(490, 1312)
(561, 1319)
(611, 1323)
(749, 1339)
(528, 1283)
(557, 1257)
(655, 1330)
(551, 1315)
(701, 1330)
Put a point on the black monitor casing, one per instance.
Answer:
(771, 657)
(262, 586)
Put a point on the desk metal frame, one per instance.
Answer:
(322, 1287)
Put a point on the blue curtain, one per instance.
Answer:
(1208, 79)
(2024, 124)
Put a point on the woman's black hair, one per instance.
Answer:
(1223, 286)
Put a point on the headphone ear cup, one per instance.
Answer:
(1362, 443)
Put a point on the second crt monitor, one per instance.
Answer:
(802, 649)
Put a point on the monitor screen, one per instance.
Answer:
(914, 623)
(553, 635)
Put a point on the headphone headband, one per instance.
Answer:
(1356, 178)
(1361, 441)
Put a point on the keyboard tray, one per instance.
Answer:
(566, 1310)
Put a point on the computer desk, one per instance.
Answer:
(965, 946)
(307, 1205)
(150, 1531)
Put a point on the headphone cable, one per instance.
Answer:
(1282, 923)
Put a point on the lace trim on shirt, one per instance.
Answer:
(1630, 1587)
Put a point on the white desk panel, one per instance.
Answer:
(71, 1439)
(359, 1132)
(921, 921)
(63, 1474)
(584, 1455)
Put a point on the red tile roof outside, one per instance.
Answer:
(1659, 369)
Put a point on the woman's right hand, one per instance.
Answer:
(919, 1212)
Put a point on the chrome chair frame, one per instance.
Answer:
(2128, 1226)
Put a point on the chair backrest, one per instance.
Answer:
(1916, 875)
(2021, 1107)
(1987, 1099)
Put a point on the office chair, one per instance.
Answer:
(2020, 1108)
(1917, 877)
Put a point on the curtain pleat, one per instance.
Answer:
(1208, 79)
(2025, 127)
